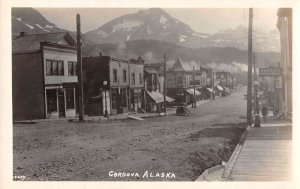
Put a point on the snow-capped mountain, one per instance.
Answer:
(157, 24)
(152, 23)
(30, 21)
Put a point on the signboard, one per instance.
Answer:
(270, 71)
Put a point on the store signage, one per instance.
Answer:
(270, 71)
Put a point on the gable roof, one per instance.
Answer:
(31, 43)
(178, 66)
(184, 66)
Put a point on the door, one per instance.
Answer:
(61, 104)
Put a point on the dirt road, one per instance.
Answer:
(160, 148)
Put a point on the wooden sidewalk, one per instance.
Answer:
(266, 155)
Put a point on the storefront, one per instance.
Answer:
(60, 101)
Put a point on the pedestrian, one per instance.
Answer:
(264, 111)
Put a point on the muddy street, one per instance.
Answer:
(159, 148)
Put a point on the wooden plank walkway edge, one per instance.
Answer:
(233, 158)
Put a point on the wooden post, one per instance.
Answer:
(79, 68)
(194, 101)
(249, 88)
(165, 65)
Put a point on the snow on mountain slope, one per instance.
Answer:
(31, 21)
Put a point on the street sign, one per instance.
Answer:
(270, 71)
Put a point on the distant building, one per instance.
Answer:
(44, 78)
(179, 82)
(154, 81)
(284, 24)
(112, 84)
(136, 84)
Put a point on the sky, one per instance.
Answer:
(208, 20)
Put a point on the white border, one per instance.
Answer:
(6, 149)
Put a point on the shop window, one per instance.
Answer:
(51, 100)
(70, 98)
(123, 97)
(114, 98)
(72, 68)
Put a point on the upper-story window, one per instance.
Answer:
(72, 68)
(115, 76)
(179, 81)
(133, 78)
(54, 67)
(124, 76)
(141, 79)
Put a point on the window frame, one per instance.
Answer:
(115, 75)
(124, 76)
(52, 70)
(73, 67)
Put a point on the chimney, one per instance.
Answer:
(100, 53)
(23, 34)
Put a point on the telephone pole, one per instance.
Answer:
(249, 89)
(79, 69)
(165, 79)
(194, 100)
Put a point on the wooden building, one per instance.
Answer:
(44, 78)
(179, 82)
(112, 85)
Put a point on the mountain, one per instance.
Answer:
(30, 21)
(152, 23)
(157, 24)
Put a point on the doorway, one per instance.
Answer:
(61, 103)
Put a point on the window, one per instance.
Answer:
(54, 67)
(141, 79)
(179, 81)
(60, 66)
(124, 76)
(114, 95)
(72, 68)
(115, 77)
(133, 78)
(70, 98)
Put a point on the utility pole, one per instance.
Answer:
(249, 89)
(79, 68)
(194, 100)
(255, 79)
(165, 79)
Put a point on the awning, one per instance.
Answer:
(158, 97)
(209, 89)
(220, 88)
(151, 71)
(191, 91)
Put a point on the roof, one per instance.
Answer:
(32, 42)
(184, 66)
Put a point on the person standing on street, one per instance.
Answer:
(264, 112)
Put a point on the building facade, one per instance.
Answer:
(136, 84)
(284, 25)
(179, 83)
(112, 85)
(44, 77)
